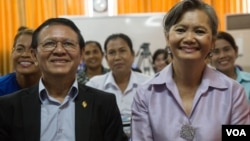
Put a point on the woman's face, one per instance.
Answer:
(119, 56)
(160, 62)
(23, 62)
(224, 56)
(92, 56)
(190, 39)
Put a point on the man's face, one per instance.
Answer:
(58, 51)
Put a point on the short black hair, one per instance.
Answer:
(59, 21)
(22, 30)
(175, 13)
(158, 52)
(94, 42)
(122, 36)
(228, 37)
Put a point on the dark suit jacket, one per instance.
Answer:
(100, 120)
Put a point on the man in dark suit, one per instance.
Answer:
(58, 108)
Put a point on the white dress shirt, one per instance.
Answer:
(124, 100)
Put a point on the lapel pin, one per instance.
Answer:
(84, 104)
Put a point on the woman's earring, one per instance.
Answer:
(210, 54)
(168, 50)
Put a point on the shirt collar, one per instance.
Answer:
(242, 76)
(43, 93)
(110, 81)
(209, 78)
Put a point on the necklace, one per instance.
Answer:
(187, 132)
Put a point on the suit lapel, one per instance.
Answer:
(31, 109)
(83, 107)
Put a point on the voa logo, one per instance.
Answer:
(236, 132)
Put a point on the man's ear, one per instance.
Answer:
(82, 51)
(133, 55)
(82, 54)
(33, 56)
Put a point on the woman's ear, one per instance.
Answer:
(236, 51)
(106, 57)
(213, 42)
(166, 36)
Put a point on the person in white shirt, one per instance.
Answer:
(121, 80)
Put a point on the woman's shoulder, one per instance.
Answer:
(101, 77)
(7, 77)
(245, 74)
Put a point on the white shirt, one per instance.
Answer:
(124, 100)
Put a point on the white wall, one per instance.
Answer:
(242, 39)
(238, 25)
(141, 28)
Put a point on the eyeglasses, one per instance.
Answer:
(21, 49)
(50, 45)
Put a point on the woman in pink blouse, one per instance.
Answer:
(188, 100)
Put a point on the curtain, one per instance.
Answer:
(31, 13)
